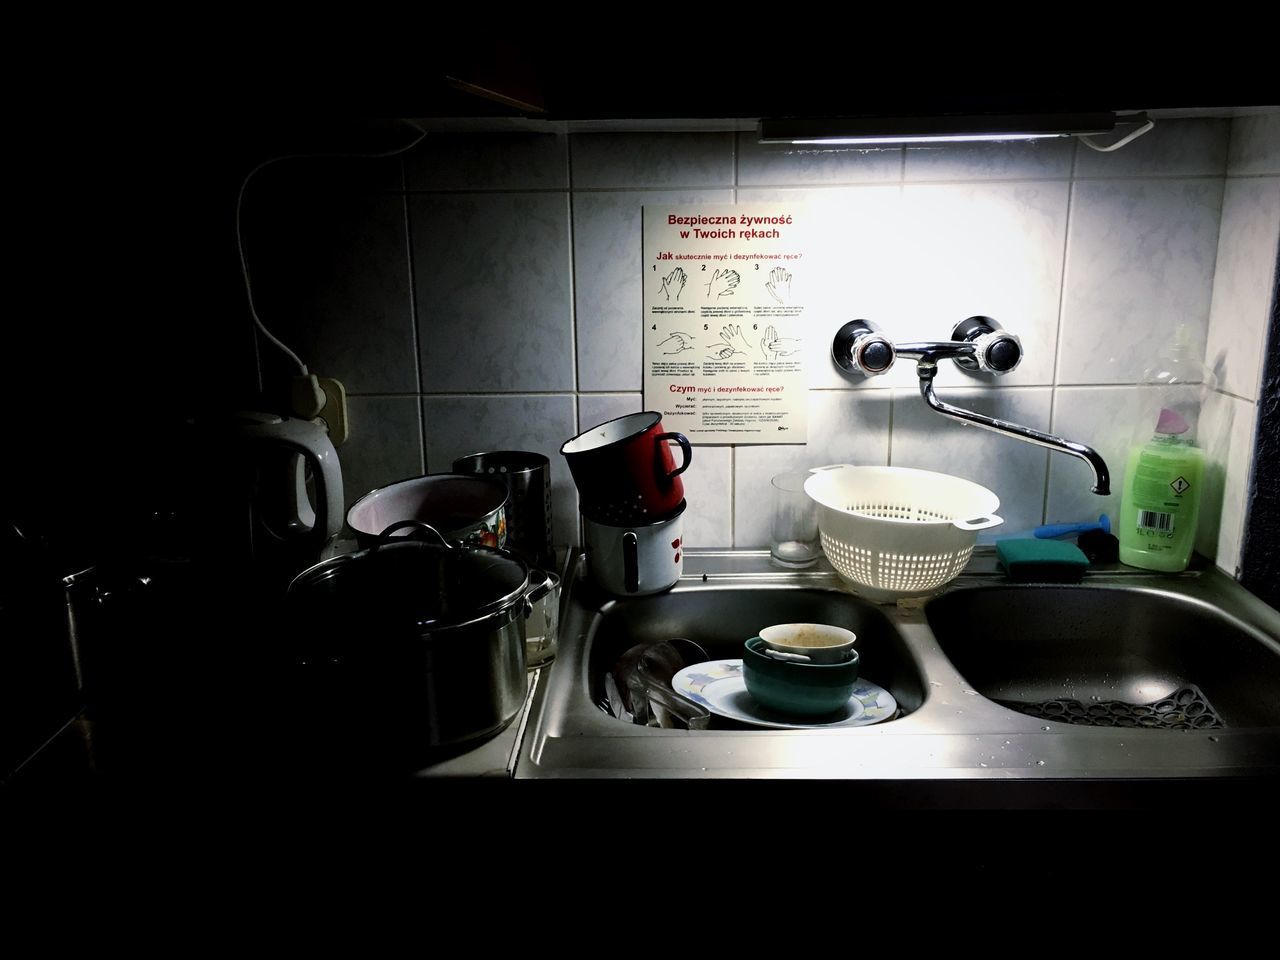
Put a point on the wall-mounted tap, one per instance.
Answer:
(977, 344)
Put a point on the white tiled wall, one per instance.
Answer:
(1244, 283)
(493, 299)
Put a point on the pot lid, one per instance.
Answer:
(432, 585)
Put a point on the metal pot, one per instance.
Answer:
(411, 646)
(470, 509)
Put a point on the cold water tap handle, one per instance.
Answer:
(995, 350)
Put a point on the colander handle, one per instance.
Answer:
(830, 466)
(978, 523)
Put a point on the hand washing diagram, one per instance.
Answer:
(673, 283)
(722, 284)
(773, 346)
(676, 343)
(724, 314)
(732, 343)
(779, 285)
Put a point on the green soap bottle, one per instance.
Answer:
(1164, 476)
(1161, 504)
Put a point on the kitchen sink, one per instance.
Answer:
(721, 618)
(995, 682)
(1137, 658)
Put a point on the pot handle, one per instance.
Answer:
(631, 561)
(539, 590)
(418, 528)
(681, 439)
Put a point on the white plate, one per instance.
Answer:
(718, 685)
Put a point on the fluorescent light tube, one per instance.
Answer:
(943, 129)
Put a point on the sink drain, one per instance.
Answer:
(1185, 709)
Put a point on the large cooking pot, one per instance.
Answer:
(412, 645)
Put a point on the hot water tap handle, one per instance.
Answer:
(859, 347)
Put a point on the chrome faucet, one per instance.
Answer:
(976, 344)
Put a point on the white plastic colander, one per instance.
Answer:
(893, 532)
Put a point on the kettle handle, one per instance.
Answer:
(312, 443)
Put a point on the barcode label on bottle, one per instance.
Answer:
(1150, 520)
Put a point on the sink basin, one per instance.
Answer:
(969, 669)
(1132, 658)
(720, 619)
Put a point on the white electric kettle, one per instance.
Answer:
(284, 505)
(250, 500)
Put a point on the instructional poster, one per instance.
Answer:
(724, 331)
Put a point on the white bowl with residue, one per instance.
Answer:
(820, 642)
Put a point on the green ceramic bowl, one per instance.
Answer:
(799, 689)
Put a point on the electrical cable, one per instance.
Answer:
(244, 263)
(1088, 141)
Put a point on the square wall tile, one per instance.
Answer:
(308, 175)
(1227, 434)
(1255, 146)
(1140, 260)
(1173, 148)
(460, 426)
(661, 160)
(385, 444)
(488, 161)
(1244, 283)
(856, 266)
(779, 164)
(1013, 160)
(845, 426)
(330, 275)
(607, 279)
(983, 249)
(1107, 419)
(708, 490)
(1011, 469)
(597, 408)
(491, 285)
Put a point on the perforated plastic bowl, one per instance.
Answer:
(892, 532)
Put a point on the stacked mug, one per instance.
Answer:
(632, 502)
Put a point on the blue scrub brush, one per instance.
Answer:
(1052, 531)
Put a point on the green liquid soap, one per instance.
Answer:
(1161, 504)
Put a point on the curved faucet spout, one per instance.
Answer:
(1101, 476)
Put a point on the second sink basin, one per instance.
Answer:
(1133, 658)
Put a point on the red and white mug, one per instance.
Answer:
(625, 471)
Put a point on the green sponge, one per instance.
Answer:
(1042, 561)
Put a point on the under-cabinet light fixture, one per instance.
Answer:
(875, 131)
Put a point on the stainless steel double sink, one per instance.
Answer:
(994, 681)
